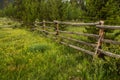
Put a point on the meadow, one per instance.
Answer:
(26, 55)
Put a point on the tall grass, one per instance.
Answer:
(25, 55)
(28, 55)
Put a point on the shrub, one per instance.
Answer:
(38, 48)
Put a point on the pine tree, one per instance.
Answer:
(107, 10)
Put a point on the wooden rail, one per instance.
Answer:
(111, 41)
(77, 24)
(8, 26)
(78, 33)
(99, 37)
(78, 48)
(108, 27)
(79, 41)
(109, 54)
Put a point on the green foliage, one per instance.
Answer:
(9, 10)
(106, 10)
(29, 10)
(35, 48)
(99, 70)
(1, 13)
(103, 10)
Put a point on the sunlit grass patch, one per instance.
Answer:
(38, 48)
(26, 65)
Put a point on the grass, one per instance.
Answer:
(28, 55)
(25, 55)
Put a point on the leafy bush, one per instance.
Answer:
(42, 48)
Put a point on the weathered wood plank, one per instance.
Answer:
(38, 22)
(78, 33)
(7, 26)
(78, 24)
(108, 27)
(78, 48)
(48, 22)
(79, 41)
(111, 41)
(38, 29)
(53, 33)
(109, 54)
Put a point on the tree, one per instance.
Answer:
(107, 10)
(30, 10)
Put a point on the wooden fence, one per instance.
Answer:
(98, 51)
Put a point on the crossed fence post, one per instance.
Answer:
(99, 42)
(56, 26)
(43, 25)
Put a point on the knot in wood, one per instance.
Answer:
(101, 22)
(56, 22)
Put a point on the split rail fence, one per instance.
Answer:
(98, 51)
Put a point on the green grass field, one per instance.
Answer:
(26, 55)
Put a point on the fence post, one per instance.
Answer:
(43, 25)
(99, 43)
(56, 27)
